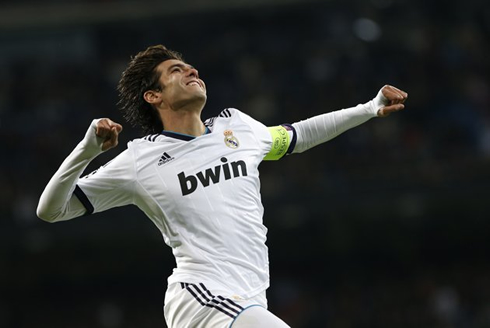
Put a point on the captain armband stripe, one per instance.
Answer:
(281, 142)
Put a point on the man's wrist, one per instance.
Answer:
(91, 145)
(378, 102)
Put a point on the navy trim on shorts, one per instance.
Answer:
(84, 200)
(218, 302)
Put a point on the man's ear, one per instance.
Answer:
(151, 96)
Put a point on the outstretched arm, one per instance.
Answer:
(58, 202)
(321, 128)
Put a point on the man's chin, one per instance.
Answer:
(197, 101)
(201, 97)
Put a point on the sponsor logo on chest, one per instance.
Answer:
(214, 175)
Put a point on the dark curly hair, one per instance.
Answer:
(140, 76)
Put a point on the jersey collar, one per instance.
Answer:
(182, 136)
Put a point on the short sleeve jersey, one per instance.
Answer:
(203, 194)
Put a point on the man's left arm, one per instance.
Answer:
(303, 135)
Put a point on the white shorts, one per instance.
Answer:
(195, 306)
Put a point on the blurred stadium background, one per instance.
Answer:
(386, 226)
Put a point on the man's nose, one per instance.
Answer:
(193, 72)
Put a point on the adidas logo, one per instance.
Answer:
(165, 159)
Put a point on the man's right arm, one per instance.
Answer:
(58, 202)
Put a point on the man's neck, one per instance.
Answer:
(183, 122)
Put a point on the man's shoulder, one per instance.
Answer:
(226, 113)
(229, 112)
(142, 145)
(229, 115)
(151, 139)
(148, 138)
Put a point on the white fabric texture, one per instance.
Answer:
(203, 195)
(322, 128)
(56, 202)
(197, 306)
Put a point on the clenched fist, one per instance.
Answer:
(109, 132)
(390, 99)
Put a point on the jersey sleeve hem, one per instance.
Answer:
(294, 137)
(78, 192)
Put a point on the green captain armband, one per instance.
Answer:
(280, 143)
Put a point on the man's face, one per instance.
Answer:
(180, 84)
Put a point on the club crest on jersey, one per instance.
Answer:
(230, 140)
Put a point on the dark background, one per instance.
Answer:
(385, 226)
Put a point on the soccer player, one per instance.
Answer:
(198, 182)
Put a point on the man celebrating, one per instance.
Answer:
(198, 182)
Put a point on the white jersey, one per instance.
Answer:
(203, 193)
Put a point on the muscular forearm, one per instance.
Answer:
(57, 202)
